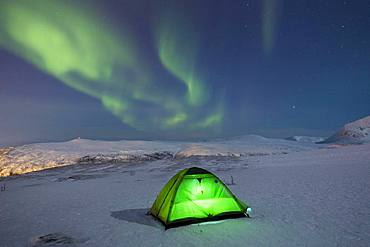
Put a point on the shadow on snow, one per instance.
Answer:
(137, 215)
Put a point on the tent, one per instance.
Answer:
(195, 195)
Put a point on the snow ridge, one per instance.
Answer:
(357, 132)
(313, 139)
(35, 157)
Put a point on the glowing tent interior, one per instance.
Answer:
(195, 195)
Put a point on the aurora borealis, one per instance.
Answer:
(190, 68)
(66, 45)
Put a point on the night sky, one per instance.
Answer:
(181, 69)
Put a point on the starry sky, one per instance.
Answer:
(181, 70)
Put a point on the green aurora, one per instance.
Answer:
(269, 22)
(77, 47)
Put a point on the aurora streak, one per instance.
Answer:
(76, 46)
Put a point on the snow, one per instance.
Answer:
(35, 157)
(313, 139)
(301, 195)
(356, 132)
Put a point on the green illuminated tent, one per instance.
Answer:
(195, 195)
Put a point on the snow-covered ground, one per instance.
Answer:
(302, 195)
(35, 157)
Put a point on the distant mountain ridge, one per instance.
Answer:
(40, 156)
(356, 132)
(313, 139)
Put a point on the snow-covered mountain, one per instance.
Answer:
(313, 139)
(356, 132)
(40, 156)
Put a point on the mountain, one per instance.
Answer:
(312, 139)
(357, 132)
(40, 156)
